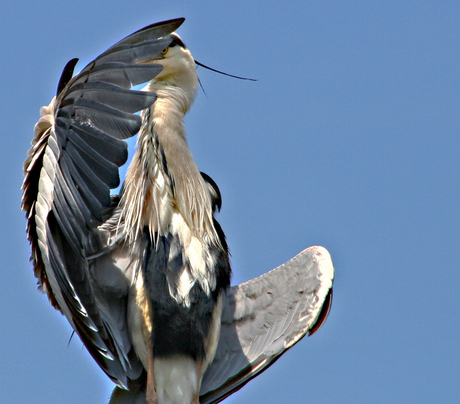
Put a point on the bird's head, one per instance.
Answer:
(179, 69)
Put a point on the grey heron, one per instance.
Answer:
(144, 277)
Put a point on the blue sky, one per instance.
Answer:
(349, 139)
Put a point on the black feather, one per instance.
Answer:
(66, 75)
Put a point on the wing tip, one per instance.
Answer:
(323, 314)
(323, 258)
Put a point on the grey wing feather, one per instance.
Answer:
(266, 316)
(69, 171)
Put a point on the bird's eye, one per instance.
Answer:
(164, 51)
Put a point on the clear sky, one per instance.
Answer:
(349, 139)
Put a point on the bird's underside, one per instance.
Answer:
(144, 277)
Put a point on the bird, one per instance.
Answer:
(144, 277)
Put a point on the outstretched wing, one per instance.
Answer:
(266, 316)
(71, 167)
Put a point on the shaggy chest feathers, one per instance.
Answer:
(171, 200)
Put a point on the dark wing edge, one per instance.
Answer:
(266, 316)
(72, 165)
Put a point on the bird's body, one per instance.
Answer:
(166, 212)
(144, 277)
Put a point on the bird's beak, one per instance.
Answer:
(152, 60)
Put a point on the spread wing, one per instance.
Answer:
(266, 316)
(71, 167)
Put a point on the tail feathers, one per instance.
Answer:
(176, 382)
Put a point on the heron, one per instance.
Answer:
(143, 277)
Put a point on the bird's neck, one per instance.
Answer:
(169, 109)
(163, 178)
(174, 93)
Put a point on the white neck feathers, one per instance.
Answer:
(163, 178)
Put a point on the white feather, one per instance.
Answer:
(176, 380)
